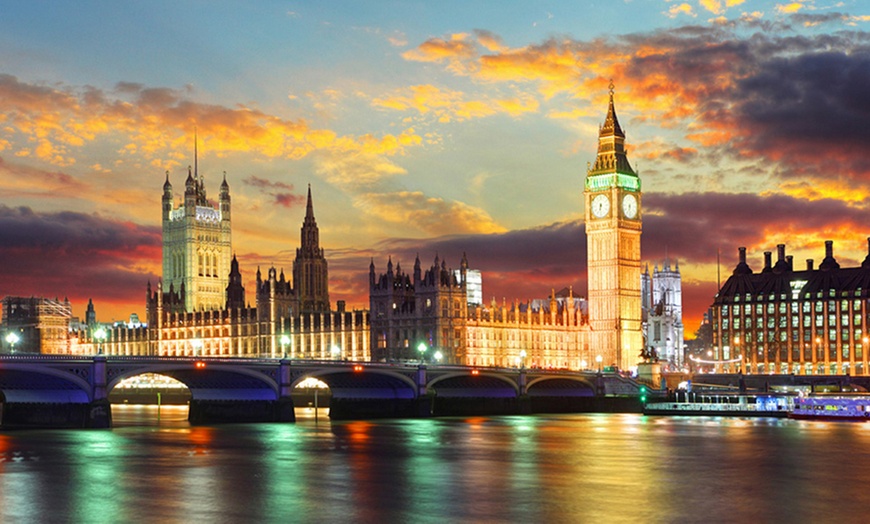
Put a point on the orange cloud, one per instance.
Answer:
(429, 215)
(448, 105)
(823, 189)
(50, 123)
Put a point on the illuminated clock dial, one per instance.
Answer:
(629, 206)
(600, 206)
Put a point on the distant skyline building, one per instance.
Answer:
(38, 324)
(783, 319)
(662, 302)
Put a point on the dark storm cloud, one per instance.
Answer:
(695, 225)
(75, 255)
(813, 106)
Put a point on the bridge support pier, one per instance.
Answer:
(285, 410)
(425, 405)
(100, 410)
(524, 405)
(99, 414)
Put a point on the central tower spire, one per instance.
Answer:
(611, 145)
(310, 274)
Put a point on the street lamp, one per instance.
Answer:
(522, 358)
(285, 340)
(336, 352)
(438, 356)
(196, 344)
(12, 338)
(100, 335)
(422, 349)
(598, 359)
(584, 364)
(736, 348)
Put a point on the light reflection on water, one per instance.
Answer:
(565, 468)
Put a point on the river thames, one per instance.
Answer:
(544, 468)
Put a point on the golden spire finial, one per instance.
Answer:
(611, 87)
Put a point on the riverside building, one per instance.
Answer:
(782, 319)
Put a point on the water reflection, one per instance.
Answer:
(577, 468)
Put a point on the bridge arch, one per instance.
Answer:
(368, 383)
(460, 383)
(322, 374)
(63, 386)
(560, 386)
(226, 383)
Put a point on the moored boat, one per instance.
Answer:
(832, 407)
(732, 405)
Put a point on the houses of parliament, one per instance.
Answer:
(199, 307)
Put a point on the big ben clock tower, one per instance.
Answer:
(613, 227)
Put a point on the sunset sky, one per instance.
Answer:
(428, 127)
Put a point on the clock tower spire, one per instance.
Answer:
(613, 227)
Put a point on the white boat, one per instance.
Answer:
(832, 407)
(739, 405)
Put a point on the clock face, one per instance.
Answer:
(629, 206)
(600, 206)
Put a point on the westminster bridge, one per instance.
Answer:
(73, 391)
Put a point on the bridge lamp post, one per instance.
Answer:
(336, 352)
(12, 339)
(438, 356)
(522, 359)
(285, 340)
(422, 349)
(196, 344)
(584, 365)
(100, 336)
(598, 359)
(736, 349)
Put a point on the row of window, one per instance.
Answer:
(783, 322)
(783, 307)
(748, 297)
